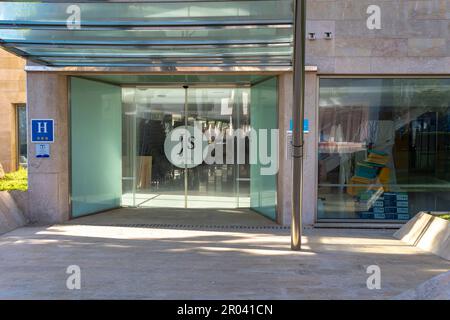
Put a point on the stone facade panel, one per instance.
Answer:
(12, 93)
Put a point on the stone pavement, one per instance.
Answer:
(437, 288)
(172, 262)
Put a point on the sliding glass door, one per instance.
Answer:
(151, 114)
(219, 113)
(150, 178)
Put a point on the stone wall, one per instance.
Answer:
(414, 37)
(21, 200)
(284, 201)
(11, 216)
(12, 91)
(48, 178)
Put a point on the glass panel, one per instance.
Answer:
(202, 36)
(384, 149)
(263, 185)
(96, 111)
(22, 135)
(148, 13)
(242, 118)
(217, 113)
(155, 52)
(165, 62)
(128, 147)
(158, 182)
(244, 33)
(176, 79)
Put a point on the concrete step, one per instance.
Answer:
(357, 225)
(11, 216)
(427, 232)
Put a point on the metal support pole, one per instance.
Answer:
(298, 112)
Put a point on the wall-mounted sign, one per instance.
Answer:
(42, 131)
(42, 150)
(305, 126)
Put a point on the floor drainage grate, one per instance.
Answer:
(200, 227)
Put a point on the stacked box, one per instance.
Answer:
(396, 205)
(364, 185)
(378, 157)
(389, 206)
(366, 203)
(365, 170)
(366, 215)
(367, 173)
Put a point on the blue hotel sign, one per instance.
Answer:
(42, 131)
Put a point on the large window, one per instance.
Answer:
(384, 148)
(21, 112)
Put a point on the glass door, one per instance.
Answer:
(219, 114)
(151, 179)
(151, 114)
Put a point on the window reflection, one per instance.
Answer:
(384, 148)
(22, 135)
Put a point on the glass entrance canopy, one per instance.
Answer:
(251, 33)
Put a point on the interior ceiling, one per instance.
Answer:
(179, 80)
(251, 33)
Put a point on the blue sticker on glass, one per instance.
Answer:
(305, 125)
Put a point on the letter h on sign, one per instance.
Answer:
(42, 131)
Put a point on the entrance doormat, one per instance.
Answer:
(202, 227)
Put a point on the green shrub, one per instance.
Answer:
(445, 216)
(17, 180)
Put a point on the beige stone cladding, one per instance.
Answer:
(413, 38)
(12, 92)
